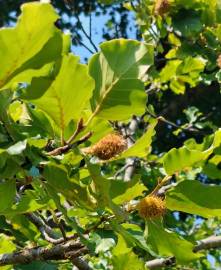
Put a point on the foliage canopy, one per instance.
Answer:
(60, 204)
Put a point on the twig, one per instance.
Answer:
(163, 182)
(122, 170)
(46, 231)
(67, 147)
(90, 22)
(162, 262)
(85, 33)
(190, 129)
(85, 46)
(164, 189)
(208, 243)
(80, 127)
(164, 120)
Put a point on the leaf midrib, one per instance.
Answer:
(103, 97)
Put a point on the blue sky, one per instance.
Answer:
(98, 22)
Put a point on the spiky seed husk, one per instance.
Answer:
(108, 147)
(218, 61)
(151, 207)
(161, 7)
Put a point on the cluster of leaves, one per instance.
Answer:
(52, 107)
(115, 19)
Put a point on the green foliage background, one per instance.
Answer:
(168, 83)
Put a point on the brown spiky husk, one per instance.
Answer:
(151, 207)
(108, 147)
(161, 7)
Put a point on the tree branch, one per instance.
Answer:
(130, 162)
(67, 147)
(46, 231)
(208, 243)
(58, 252)
(162, 262)
(80, 264)
(204, 244)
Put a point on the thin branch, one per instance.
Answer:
(85, 33)
(58, 252)
(80, 127)
(165, 188)
(122, 170)
(130, 162)
(164, 120)
(63, 149)
(85, 46)
(46, 231)
(204, 244)
(159, 263)
(90, 21)
(208, 243)
(81, 264)
(162, 183)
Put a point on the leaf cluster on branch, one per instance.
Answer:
(113, 164)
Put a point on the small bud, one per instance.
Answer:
(161, 7)
(218, 61)
(151, 207)
(108, 147)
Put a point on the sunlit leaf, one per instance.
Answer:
(117, 71)
(71, 89)
(19, 44)
(168, 243)
(124, 258)
(195, 198)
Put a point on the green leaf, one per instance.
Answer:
(117, 71)
(7, 246)
(37, 266)
(168, 243)
(187, 22)
(101, 191)
(66, 98)
(123, 192)
(7, 194)
(142, 146)
(28, 203)
(124, 258)
(170, 70)
(19, 44)
(179, 159)
(40, 122)
(195, 198)
(58, 178)
(185, 157)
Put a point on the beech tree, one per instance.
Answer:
(112, 164)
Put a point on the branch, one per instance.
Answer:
(58, 252)
(162, 262)
(130, 162)
(80, 127)
(204, 244)
(208, 243)
(161, 183)
(63, 149)
(164, 120)
(81, 264)
(46, 231)
(164, 189)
